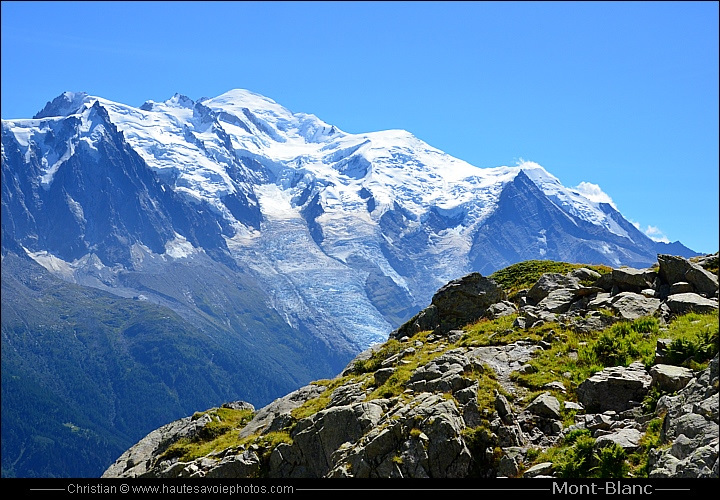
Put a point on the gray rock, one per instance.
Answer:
(363, 356)
(683, 303)
(600, 301)
(318, 437)
(141, 460)
(442, 374)
(598, 422)
(571, 405)
(346, 394)
(557, 301)
(541, 469)
(614, 388)
(239, 405)
(455, 305)
(628, 439)
(670, 378)
(545, 405)
(558, 386)
(246, 464)
(465, 300)
(382, 375)
(633, 280)
(681, 287)
(585, 274)
(500, 309)
(549, 282)
(502, 406)
(426, 320)
(690, 426)
(629, 305)
(275, 415)
(677, 269)
(389, 449)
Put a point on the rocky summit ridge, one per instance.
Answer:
(588, 372)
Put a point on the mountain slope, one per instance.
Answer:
(287, 243)
(508, 395)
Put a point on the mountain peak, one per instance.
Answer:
(67, 103)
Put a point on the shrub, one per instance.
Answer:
(611, 462)
(577, 461)
(699, 347)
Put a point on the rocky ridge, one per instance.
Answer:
(434, 401)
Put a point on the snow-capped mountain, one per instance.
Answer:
(352, 230)
(230, 248)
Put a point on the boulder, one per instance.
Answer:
(422, 438)
(675, 269)
(426, 320)
(316, 438)
(690, 426)
(585, 274)
(627, 438)
(615, 388)
(545, 405)
(680, 287)
(542, 469)
(442, 374)
(246, 464)
(455, 305)
(633, 280)
(275, 415)
(465, 300)
(670, 378)
(382, 375)
(682, 303)
(629, 305)
(239, 405)
(549, 282)
(500, 309)
(558, 301)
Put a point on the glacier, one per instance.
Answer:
(318, 214)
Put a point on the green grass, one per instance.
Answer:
(215, 436)
(319, 403)
(525, 274)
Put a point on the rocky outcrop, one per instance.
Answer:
(455, 305)
(691, 425)
(432, 405)
(142, 460)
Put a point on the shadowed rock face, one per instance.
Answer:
(456, 304)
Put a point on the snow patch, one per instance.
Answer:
(179, 247)
(52, 263)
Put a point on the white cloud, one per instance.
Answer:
(593, 193)
(652, 232)
(656, 234)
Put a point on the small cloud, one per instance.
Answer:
(652, 232)
(656, 234)
(593, 193)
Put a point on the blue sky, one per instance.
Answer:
(619, 94)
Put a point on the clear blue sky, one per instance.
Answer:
(619, 94)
